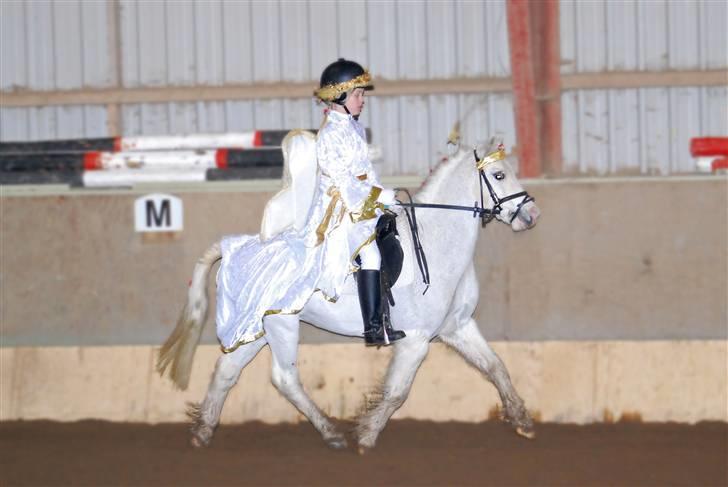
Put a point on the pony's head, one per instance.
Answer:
(501, 190)
(459, 179)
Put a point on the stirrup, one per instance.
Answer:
(376, 337)
(382, 336)
(392, 334)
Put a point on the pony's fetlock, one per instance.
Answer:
(366, 441)
(366, 433)
(517, 415)
(201, 431)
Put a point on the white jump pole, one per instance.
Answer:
(243, 140)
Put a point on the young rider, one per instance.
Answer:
(345, 167)
(277, 275)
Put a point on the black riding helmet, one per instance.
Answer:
(339, 78)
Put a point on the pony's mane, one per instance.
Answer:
(432, 181)
(437, 173)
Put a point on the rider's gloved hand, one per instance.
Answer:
(386, 197)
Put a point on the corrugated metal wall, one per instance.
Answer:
(234, 42)
(645, 130)
(75, 44)
(53, 46)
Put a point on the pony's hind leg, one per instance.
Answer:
(468, 341)
(206, 415)
(282, 335)
(408, 355)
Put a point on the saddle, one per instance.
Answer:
(391, 253)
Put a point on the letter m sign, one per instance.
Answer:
(158, 213)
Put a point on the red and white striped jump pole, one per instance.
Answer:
(711, 153)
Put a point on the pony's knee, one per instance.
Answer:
(396, 397)
(413, 348)
(283, 379)
(227, 371)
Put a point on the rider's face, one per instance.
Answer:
(355, 101)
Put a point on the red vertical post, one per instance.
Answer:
(524, 88)
(547, 69)
(533, 31)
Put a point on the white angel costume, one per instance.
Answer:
(280, 270)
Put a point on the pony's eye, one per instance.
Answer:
(500, 176)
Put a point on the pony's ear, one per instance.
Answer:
(494, 143)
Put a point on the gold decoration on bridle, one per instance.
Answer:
(332, 92)
(495, 156)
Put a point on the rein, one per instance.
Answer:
(477, 210)
(419, 251)
(486, 215)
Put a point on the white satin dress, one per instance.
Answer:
(279, 275)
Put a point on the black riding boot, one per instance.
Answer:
(370, 300)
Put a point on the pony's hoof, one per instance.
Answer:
(337, 443)
(195, 442)
(526, 433)
(365, 445)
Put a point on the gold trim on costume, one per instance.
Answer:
(321, 229)
(269, 312)
(326, 296)
(495, 156)
(362, 177)
(366, 242)
(341, 215)
(282, 312)
(332, 92)
(243, 342)
(368, 207)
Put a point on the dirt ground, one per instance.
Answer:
(408, 453)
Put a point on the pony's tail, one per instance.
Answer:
(178, 352)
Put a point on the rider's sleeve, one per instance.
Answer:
(336, 159)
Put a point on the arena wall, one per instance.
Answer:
(560, 381)
(613, 305)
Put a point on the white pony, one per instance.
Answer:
(448, 238)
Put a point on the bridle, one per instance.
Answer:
(498, 155)
(486, 214)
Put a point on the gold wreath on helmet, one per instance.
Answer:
(332, 92)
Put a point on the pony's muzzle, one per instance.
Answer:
(527, 217)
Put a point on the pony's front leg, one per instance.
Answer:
(282, 335)
(206, 416)
(408, 355)
(468, 341)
